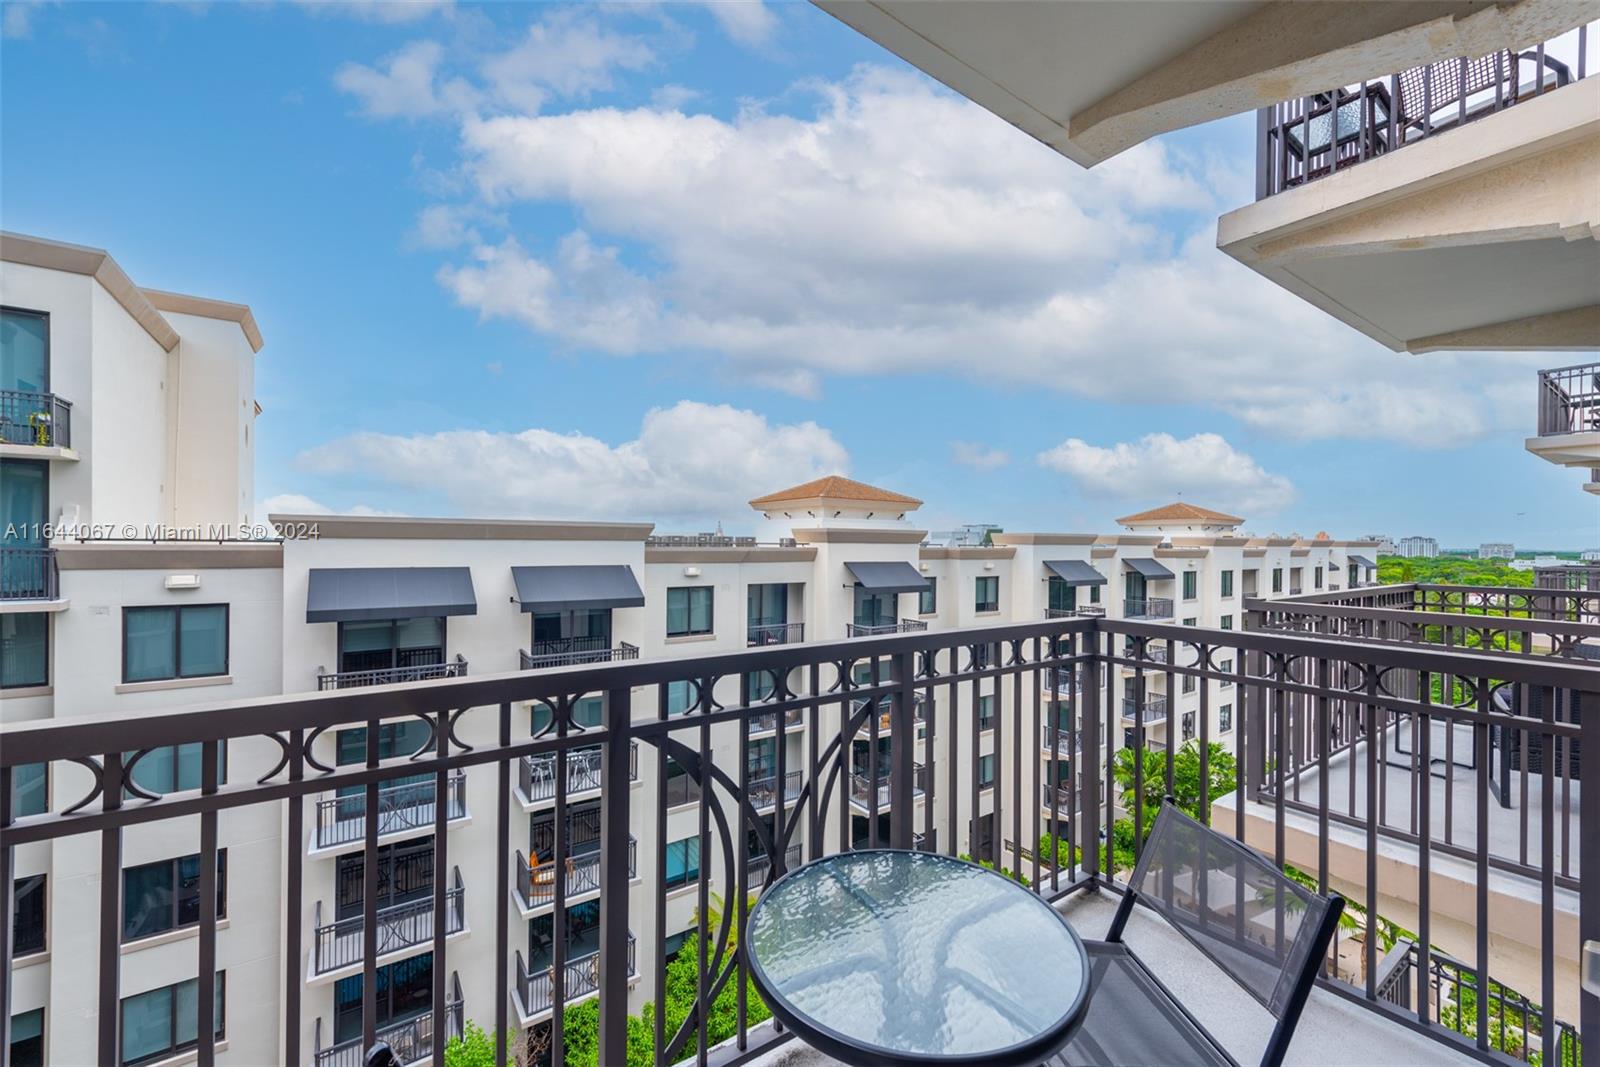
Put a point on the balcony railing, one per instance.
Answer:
(1155, 711)
(411, 1040)
(1347, 748)
(862, 792)
(341, 943)
(416, 672)
(1150, 607)
(28, 572)
(1060, 740)
(1315, 136)
(569, 651)
(536, 775)
(580, 979)
(1569, 400)
(766, 722)
(43, 420)
(759, 635)
(904, 626)
(402, 807)
(760, 864)
(763, 791)
(536, 882)
(1056, 797)
(1084, 611)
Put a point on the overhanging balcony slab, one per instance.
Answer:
(1567, 449)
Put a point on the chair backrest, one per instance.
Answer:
(1267, 931)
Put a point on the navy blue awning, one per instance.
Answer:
(1362, 561)
(1152, 570)
(355, 594)
(894, 577)
(576, 588)
(1074, 572)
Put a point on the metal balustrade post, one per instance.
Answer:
(1588, 838)
(902, 752)
(1089, 675)
(614, 873)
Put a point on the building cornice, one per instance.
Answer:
(1211, 542)
(967, 552)
(1044, 538)
(1188, 552)
(1270, 542)
(96, 263)
(840, 536)
(760, 554)
(206, 308)
(1130, 540)
(386, 527)
(168, 555)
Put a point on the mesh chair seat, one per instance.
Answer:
(1132, 1021)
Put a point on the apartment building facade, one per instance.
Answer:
(128, 626)
(1417, 547)
(1497, 550)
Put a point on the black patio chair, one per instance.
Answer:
(1268, 933)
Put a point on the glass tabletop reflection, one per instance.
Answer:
(916, 955)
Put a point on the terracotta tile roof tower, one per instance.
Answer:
(1180, 514)
(835, 489)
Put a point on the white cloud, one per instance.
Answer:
(405, 84)
(673, 97)
(383, 11)
(689, 461)
(299, 504)
(979, 457)
(749, 22)
(17, 21)
(568, 54)
(1158, 467)
(452, 225)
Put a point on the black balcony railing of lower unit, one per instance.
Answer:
(42, 420)
(570, 650)
(1569, 400)
(1318, 135)
(411, 1040)
(583, 770)
(880, 629)
(28, 572)
(775, 633)
(1445, 759)
(1150, 607)
(401, 926)
(397, 675)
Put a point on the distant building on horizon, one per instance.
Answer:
(1385, 543)
(1591, 556)
(1497, 550)
(1418, 547)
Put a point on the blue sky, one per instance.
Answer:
(645, 261)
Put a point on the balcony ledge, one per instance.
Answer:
(1567, 449)
(49, 453)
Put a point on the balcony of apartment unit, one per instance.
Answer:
(1079, 611)
(763, 790)
(29, 573)
(764, 723)
(411, 665)
(1152, 711)
(883, 712)
(759, 865)
(1057, 798)
(35, 425)
(404, 928)
(1060, 741)
(1154, 654)
(761, 634)
(1399, 206)
(1063, 682)
(1568, 423)
(566, 651)
(867, 790)
(411, 1039)
(405, 808)
(535, 986)
(1384, 765)
(884, 627)
(537, 775)
(536, 876)
(1148, 607)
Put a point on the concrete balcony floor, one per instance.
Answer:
(1333, 1032)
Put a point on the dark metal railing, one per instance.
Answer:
(536, 775)
(536, 882)
(581, 978)
(1314, 714)
(763, 791)
(43, 420)
(569, 651)
(775, 633)
(1155, 708)
(1060, 740)
(416, 672)
(402, 807)
(761, 864)
(767, 722)
(1150, 607)
(1085, 611)
(29, 572)
(1314, 136)
(339, 944)
(411, 1040)
(1569, 400)
(904, 626)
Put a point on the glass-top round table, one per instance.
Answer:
(892, 957)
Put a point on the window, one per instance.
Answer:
(166, 1021)
(1094, 594)
(1277, 579)
(27, 915)
(165, 895)
(762, 684)
(683, 862)
(1316, 576)
(1191, 585)
(404, 991)
(24, 649)
(986, 712)
(1188, 725)
(988, 594)
(1226, 667)
(176, 642)
(680, 697)
(175, 768)
(1188, 683)
(1227, 622)
(681, 789)
(30, 790)
(689, 610)
(1191, 621)
(27, 1039)
(761, 758)
(382, 644)
(1227, 583)
(928, 598)
(24, 354)
(986, 770)
(395, 740)
(1225, 718)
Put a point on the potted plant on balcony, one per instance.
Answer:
(39, 422)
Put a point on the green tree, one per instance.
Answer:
(474, 1048)
(1220, 778)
